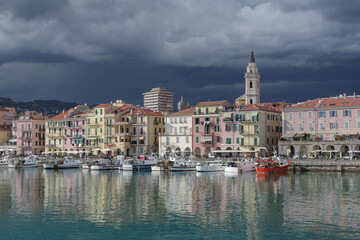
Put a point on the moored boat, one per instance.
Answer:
(210, 166)
(31, 161)
(182, 165)
(104, 164)
(268, 165)
(140, 164)
(62, 163)
(4, 161)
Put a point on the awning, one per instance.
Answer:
(234, 151)
(78, 138)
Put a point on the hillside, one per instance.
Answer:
(47, 107)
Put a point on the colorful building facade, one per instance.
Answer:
(30, 133)
(327, 126)
(177, 138)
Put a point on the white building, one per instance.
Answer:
(158, 99)
(178, 133)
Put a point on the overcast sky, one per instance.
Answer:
(92, 51)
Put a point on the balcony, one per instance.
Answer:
(92, 124)
(122, 134)
(206, 138)
(207, 144)
(248, 133)
(122, 123)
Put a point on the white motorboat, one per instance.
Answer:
(182, 165)
(161, 165)
(62, 163)
(15, 163)
(210, 166)
(31, 161)
(232, 166)
(103, 164)
(142, 163)
(4, 161)
(240, 166)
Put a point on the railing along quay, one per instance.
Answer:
(324, 165)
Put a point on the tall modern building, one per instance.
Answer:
(158, 99)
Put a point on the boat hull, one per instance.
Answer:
(103, 168)
(182, 169)
(139, 167)
(267, 170)
(209, 168)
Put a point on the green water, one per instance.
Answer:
(78, 204)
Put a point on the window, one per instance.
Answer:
(300, 115)
(311, 126)
(291, 126)
(217, 120)
(217, 139)
(237, 140)
(101, 111)
(197, 129)
(228, 140)
(291, 115)
(333, 114)
(251, 84)
(358, 112)
(197, 139)
(301, 126)
(321, 114)
(167, 140)
(228, 127)
(177, 140)
(333, 125)
(256, 128)
(187, 139)
(197, 121)
(358, 125)
(310, 114)
(346, 124)
(255, 141)
(242, 141)
(207, 110)
(321, 126)
(268, 128)
(346, 113)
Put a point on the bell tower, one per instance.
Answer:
(252, 82)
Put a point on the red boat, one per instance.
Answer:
(270, 166)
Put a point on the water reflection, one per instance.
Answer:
(242, 205)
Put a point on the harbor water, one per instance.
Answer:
(80, 204)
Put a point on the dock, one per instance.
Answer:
(324, 165)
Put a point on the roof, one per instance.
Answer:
(5, 128)
(327, 103)
(210, 104)
(188, 111)
(253, 107)
(102, 105)
(4, 109)
(252, 58)
(142, 111)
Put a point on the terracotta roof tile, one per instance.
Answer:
(214, 103)
(102, 105)
(188, 111)
(327, 103)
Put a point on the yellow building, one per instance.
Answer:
(137, 131)
(5, 133)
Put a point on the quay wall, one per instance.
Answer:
(324, 165)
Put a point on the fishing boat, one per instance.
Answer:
(30, 162)
(161, 165)
(67, 162)
(268, 165)
(182, 165)
(210, 166)
(104, 164)
(15, 163)
(4, 161)
(139, 164)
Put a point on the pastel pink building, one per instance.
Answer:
(206, 133)
(328, 125)
(30, 133)
(65, 132)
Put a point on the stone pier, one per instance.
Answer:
(324, 165)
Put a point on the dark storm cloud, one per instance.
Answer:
(198, 49)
